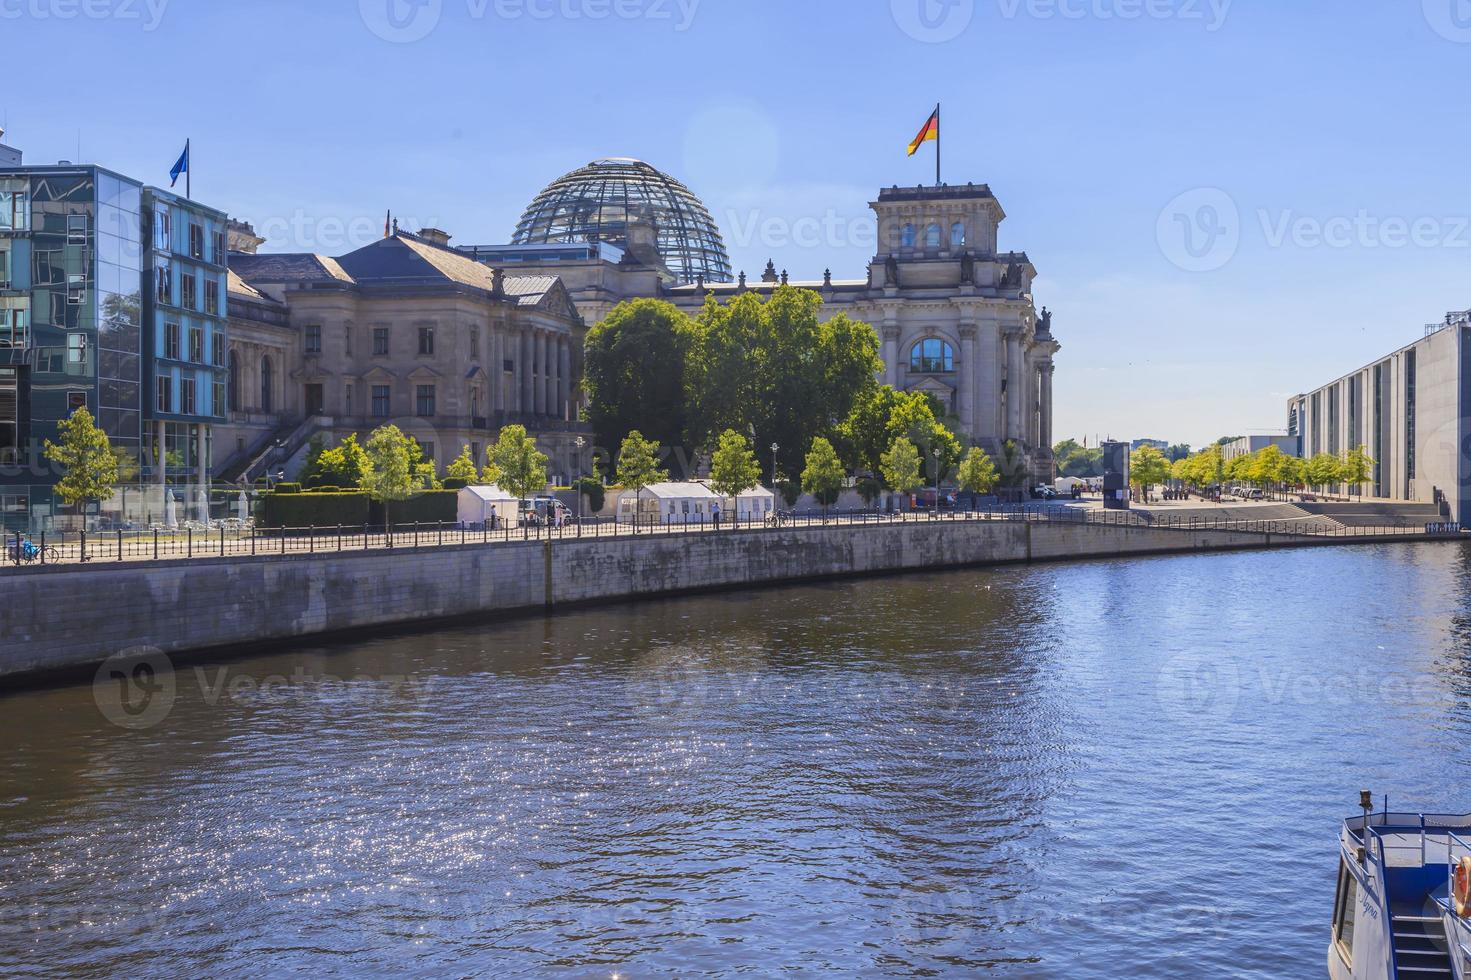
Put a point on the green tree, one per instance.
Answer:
(426, 476)
(1147, 467)
(1268, 466)
(901, 466)
(915, 418)
(519, 467)
(1012, 465)
(638, 466)
(634, 372)
(864, 434)
(977, 473)
(392, 457)
(88, 464)
(823, 475)
(1294, 471)
(344, 465)
(1323, 470)
(733, 466)
(463, 467)
(1358, 468)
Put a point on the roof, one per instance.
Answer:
(488, 492)
(666, 490)
(239, 287)
(405, 259)
(285, 267)
(945, 192)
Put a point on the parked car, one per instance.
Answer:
(1256, 495)
(1043, 493)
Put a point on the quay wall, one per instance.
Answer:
(62, 617)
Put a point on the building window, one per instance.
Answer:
(347, 340)
(475, 343)
(186, 396)
(9, 415)
(196, 241)
(957, 235)
(219, 400)
(382, 395)
(906, 237)
(211, 297)
(426, 341)
(314, 399)
(217, 251)
(932, 356)
(218, 344)
(171, 341)
(424, 400)
(313, 339)
(163, 278)
(15, 328)
(165, 393)
(76, 229)
(932, 236)
(267, 384)
(196, 345)
(76, 348)
(380, 341)
(74, 401)
(4, 268)
(163, 230)
(1345, 913)
(188, 291)
(347, 400)
(234, 393)
(15, 211)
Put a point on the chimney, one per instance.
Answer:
(435, 236)
(241, 237)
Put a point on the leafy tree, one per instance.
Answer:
(638, 466)
(1358, 468)
(977, 473)
(463, 467)
(823, 476)
(634, 372)
(1294, 471)
(869, 489)
(901, 466)
(519, 467)
(392, 457)
(344, 465)
(89, 465)
(425, 474)
(864, 434)
(1177, 452)
(1147, 467)
(1267, 466)
(734, 468)
(1077, 461)
(914, 417)
(1012, 465)
(1323, 470)
(593, 490)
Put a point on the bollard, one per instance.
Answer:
(119, 546)
(84, 543)
(189, 532)
(155, 544)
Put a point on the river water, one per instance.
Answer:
(1114, 768)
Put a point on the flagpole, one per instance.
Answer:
(937, 144)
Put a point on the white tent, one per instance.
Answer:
(672, 503)
(474, 506)
(1065, 484)
(752, 505)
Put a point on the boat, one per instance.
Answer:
(1403, 905)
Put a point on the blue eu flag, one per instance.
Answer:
(181, 167)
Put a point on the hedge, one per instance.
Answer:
(314, 509)
(429, 507)
(288, 488)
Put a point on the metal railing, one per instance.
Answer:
(236, 538)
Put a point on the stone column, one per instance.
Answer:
(564, 379)
(891, 352)
(1015, 386)
(989, 424)
(523, 369)
(538, 377)
(967, 378)
(1047, 404)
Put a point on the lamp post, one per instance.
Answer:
(774, 448)
(579, 442)
(936, 453)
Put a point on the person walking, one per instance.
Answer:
(492, 517)
(715, 513)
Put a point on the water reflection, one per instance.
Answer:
(1019, 771)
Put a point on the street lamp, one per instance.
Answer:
(774, 448)
(936, 453)
(579, 442)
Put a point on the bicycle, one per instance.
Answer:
(23, 556)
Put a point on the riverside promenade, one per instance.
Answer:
(70, 615)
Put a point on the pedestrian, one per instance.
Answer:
(492, 517)
(715, 513)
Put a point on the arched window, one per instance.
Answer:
(906, 237)
(932, 356)
(957, 235)
(932, 236)
(233, 386)
(265, 385)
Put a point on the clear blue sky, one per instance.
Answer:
(1345, 121)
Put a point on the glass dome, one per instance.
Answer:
(596, 203)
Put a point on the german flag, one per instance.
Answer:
(929, 131)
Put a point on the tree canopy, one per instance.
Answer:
(519, 467)
(634, 372)
(1148, 466)
(734, 468)
(89, 465)
(977, 472)
(900, 466)
(638, 462)
(824, 474)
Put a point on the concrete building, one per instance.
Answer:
(955, 316)
(1246, 445)
(1409, 411)
(112, 296)
(404, 330)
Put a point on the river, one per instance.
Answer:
(1103, 769)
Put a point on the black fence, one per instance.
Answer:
(234, 540)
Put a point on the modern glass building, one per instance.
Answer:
(85, 320)
(607, 199)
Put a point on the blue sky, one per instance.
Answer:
(1314, 152)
